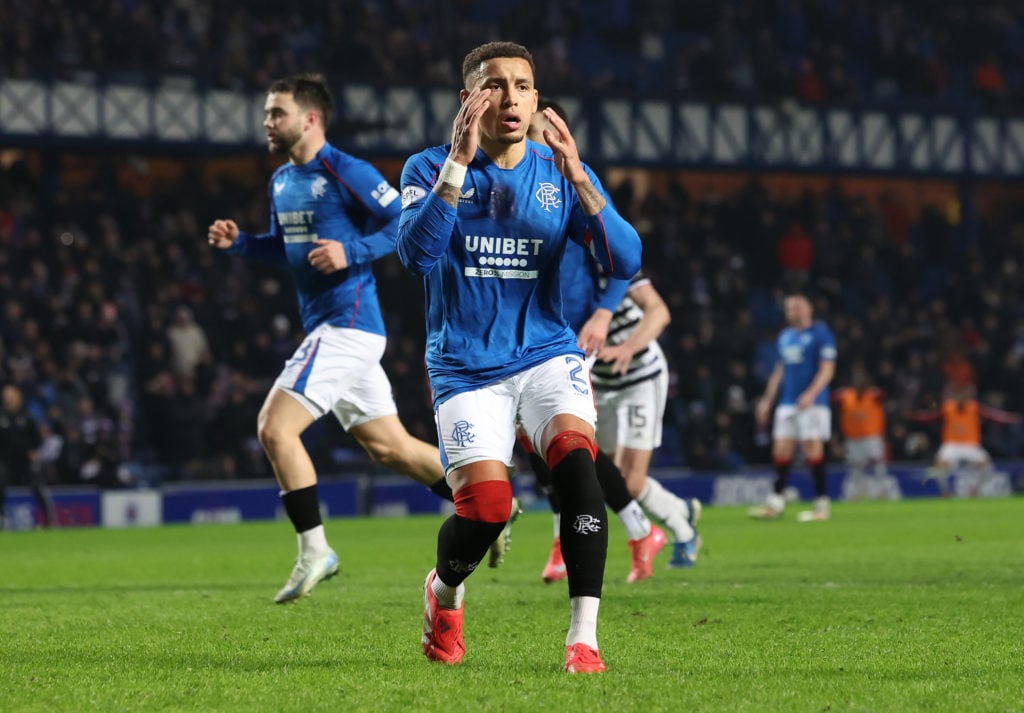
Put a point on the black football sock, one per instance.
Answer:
(303, 508)
(442, 490)
(781, 476)
(820, 479)
(613, 485)
(542, 474)
(461, 544)
(584, 528)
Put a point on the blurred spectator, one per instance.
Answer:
(907, 50)
(957, 370)
(796, 256)
(189, 346)
(990, 82)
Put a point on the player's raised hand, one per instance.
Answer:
(567, 155)
(466, 127)
(222, 233)
(328, 256)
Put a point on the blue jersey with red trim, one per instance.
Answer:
(494, 299)
(801, 352)
(584, 288)
(333, 197)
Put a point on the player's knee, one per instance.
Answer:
(383, 453)
(565, 443)
(271, 433)
(487, 501)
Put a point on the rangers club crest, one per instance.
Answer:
(586, 525)
(319, 187)
(547, 195)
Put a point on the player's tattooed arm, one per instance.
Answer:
(567, 160)
(591, 200)
(448, 193)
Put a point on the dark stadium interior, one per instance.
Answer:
(151, 353)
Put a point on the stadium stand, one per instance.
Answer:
(148, 354)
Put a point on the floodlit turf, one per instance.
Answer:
(889, 607)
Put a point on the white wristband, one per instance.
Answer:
(454, 174)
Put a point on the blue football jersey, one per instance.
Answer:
(584, 289)
(801, 352)
(333, 197)
(494, 299)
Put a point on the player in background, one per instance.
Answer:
(331, 216)
(961, 416)
(862, 424)
(630, 381)
(804, 368)
(486, 220)
(20, 441)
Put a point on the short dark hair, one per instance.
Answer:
(492, 50)
(309, 91)
(549, 103)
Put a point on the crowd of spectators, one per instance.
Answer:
(147, 354)
(951, 54)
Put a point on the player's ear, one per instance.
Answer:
(463, 93)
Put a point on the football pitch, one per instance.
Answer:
(907, 606)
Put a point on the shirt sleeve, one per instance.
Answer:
(427, 222)
(612, 241)
(379, 198)
(827, 350)
(613, 293)
(266, 247)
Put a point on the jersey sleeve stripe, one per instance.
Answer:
(342, 181)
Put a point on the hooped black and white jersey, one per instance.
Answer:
(646, 364)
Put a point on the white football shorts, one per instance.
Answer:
(481, 425)
(957, 453)
(861, 451)
(337, 370)
(809, 424)
(631, 417)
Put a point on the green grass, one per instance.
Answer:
(905, 606)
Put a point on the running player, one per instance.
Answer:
(331, 216)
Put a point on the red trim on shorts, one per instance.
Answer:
(782, 461)
(355, 307)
